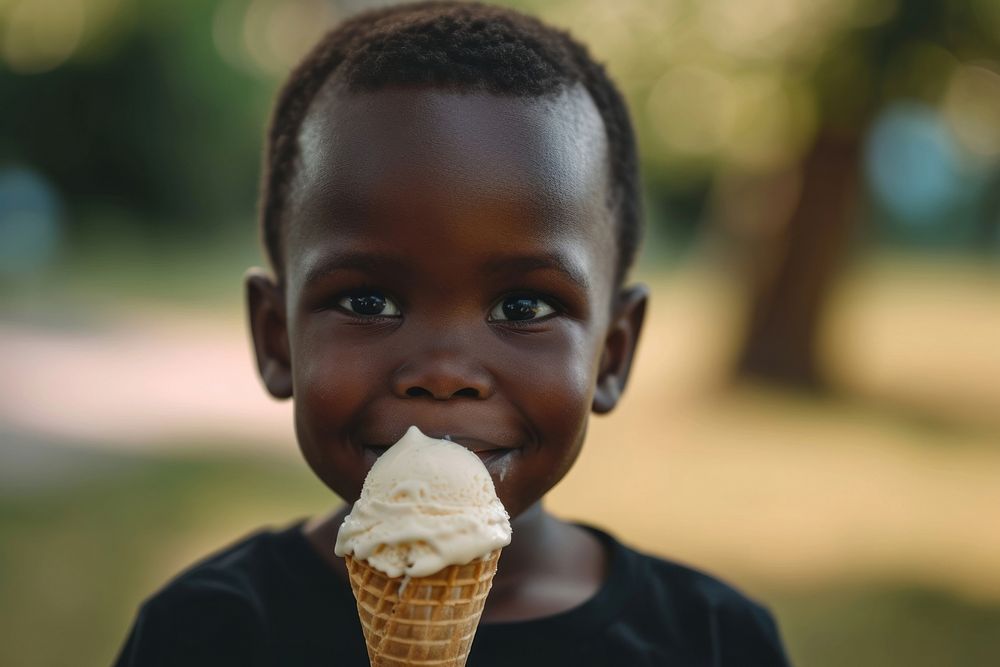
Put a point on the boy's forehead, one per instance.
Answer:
(548, 153)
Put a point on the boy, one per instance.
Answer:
(450, 207)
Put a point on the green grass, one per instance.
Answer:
(884, 626)
(77, 557)
(75, 561)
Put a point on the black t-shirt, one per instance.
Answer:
(270, 600)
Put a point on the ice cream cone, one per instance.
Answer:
(427, 620)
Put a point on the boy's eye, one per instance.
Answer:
(369, 304)
(520, 308)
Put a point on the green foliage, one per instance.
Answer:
(155, 125)
(153, 119)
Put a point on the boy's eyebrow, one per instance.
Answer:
(524, 264)
(362, 261)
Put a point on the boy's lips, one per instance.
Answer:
(489, 453)
(482, 448)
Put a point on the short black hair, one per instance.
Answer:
(455, 45)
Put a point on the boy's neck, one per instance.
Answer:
(550, 566)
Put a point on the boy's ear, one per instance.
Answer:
(619, 347)
(269, 329)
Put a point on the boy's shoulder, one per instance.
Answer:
(217, 608)
(686, 583)
(228, 574)
(694, 586)
(694, 610)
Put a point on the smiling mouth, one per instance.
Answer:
(488, 453)
(485, 455)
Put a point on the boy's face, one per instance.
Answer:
(450, 261)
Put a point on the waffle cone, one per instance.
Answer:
(431, 621)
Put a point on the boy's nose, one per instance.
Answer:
(442, 377)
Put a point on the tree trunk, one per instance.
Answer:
(792, 277)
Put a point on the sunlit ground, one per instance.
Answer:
(867, 519)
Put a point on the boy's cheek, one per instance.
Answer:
(566, 372)
(564, 392)
(328, 388)
(321, 421)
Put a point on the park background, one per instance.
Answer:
(815, 414)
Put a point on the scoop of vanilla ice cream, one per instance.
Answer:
(425, 504)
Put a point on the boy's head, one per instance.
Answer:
(450, 206)
(461, 47)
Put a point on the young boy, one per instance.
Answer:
(450, 208)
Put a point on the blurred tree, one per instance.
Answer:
(792, 276)
(798, 255)
(146, 122)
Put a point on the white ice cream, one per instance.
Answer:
(425, 504)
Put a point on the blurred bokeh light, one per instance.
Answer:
(30, 225)
(913, 166)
